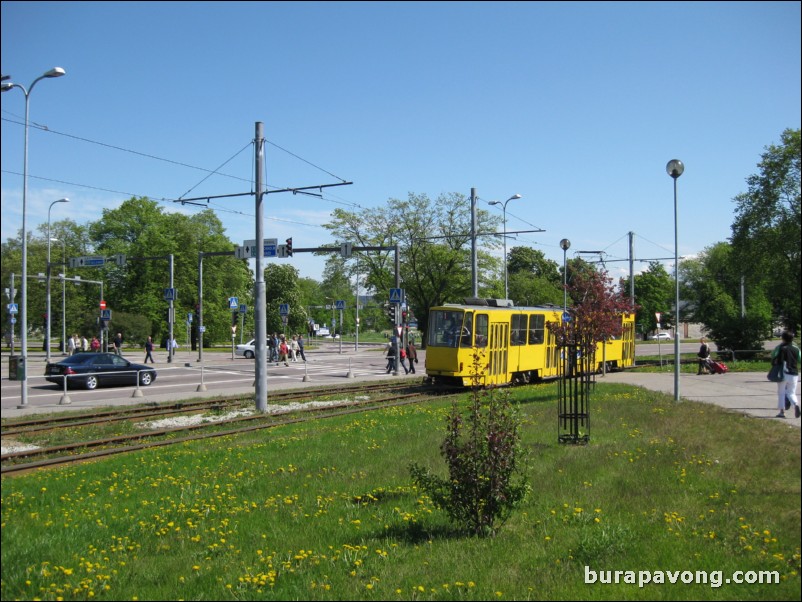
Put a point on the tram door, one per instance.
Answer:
(499, 337)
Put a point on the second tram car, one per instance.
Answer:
(515, 344)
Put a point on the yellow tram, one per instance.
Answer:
(515, 343)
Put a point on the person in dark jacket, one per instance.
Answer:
(704, 357)
(412, 354)
(788, 355)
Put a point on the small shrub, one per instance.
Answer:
(483, 453)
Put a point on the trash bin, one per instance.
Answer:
(16, 367)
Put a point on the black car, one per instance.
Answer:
(92, 370)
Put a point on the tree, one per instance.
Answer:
(140, 229)
(654, 292)
(595, 315)
(281, 286)
(767, 231)
(434, 244)
(533, 279)
(712, 285)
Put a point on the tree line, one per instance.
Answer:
(433, 234)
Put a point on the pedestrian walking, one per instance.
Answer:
(283, 351)
(294, 348)
(704, 357)
(149, 350)
(118, 344)
(412, 355)
(301, 347)
(787, 355)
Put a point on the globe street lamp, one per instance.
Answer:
(49, 319)
(674, 168)
(504, 205)
(6, 86)
(565, 244)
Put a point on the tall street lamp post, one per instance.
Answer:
(6, 86)
(674, 168)
(49, 319)
(504, 205)
(64, 299)
(565, 244)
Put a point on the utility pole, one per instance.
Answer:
(474, 259)
(260, 322)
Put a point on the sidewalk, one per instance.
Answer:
(746, 392)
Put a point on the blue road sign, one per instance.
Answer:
(169, 294)
(105, 314)
(243, 309)
(396, 295)
(339, 305)
(233, 303)
(13, 308)
(566, 316)
(284, 309)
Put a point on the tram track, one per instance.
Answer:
(151, 410)
(20, 462)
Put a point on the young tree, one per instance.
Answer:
(595, 315)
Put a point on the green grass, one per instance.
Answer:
(327, 511)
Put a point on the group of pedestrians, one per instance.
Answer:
(282, 350)
(410, 352)
(77, 343)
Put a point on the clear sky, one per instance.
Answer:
(576, 106)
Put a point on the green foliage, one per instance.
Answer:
(533, 279)
(712, 285)
(281, 285)
(429, 233)
(654, 292)
(767, 231)
(135, 328)
(483, 453)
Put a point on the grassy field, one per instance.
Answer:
(327, 511)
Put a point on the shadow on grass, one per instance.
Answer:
(415, 533)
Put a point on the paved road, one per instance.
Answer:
(748, 392)
(219, 374)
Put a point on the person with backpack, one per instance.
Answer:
(787, 355)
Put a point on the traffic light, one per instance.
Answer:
(289, 247)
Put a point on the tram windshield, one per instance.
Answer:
(450, 328)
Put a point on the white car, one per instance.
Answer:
(661, 336)
(247, 350)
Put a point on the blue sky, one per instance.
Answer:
(576, 106)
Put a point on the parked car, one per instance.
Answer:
(661, 336)
(98, 369)
(247, 350)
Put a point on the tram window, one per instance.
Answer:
(518, 330)
(444, 327)
(536, 328)
(466, 338)
(481, 323)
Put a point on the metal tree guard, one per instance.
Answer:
(576, 380)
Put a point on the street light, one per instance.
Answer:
(504, 204)
(674, 168)
(64, 297)
(565, 244)
(6, 86)
(49, 319)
